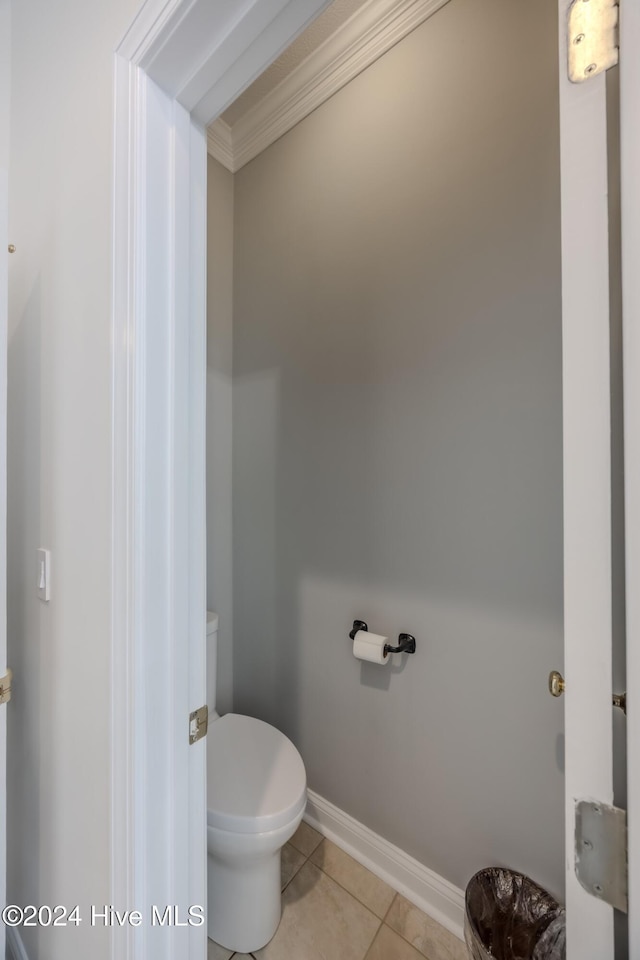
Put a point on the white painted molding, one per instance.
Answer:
(431, 893)
(153, 20)
(219, 143)
(178, 65)
(158, 648)
(586, 459)
(205, 54)
(630, 205)
(15, 946)
(367, 35)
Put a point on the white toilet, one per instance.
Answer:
(256, 795)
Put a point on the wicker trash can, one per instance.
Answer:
(509, 917)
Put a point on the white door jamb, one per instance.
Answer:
(630, 187)
(587, 482)
(179, 65)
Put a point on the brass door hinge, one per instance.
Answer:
(592, 38)
(5, 687)
(198, 724)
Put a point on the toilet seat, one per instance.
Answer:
(256, 778)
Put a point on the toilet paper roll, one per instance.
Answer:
(370, 646)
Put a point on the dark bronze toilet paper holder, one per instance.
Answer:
(406, 642)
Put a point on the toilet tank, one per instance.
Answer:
(212, 662)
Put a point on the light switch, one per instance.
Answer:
(43, 581)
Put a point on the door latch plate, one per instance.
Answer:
(601, 851)
(592, 38)
(198, 724)
(5, 687)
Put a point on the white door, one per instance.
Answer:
(587, 483)
(4, 256)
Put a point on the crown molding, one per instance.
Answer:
(367, 35)
(219, 143)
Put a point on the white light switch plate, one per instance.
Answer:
(43, 574)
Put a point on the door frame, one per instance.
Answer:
(630, 205)
(158, 614)
(5, 83)
(586, 456)
(587, 468)
(162, 104)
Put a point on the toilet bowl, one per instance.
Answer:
(256, 796)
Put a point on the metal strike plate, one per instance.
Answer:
(592, 38)
(198, 724)
(5, 687)
(601, 852)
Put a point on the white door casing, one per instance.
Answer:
(587, 482)
(162, 101)
(159, 356)
(5, 61)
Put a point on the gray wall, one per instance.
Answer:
(397, 440)
(219, 399)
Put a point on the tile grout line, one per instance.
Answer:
(383, 921)
(397, 932)
(295, 874)
(338, 884)
(351, 893)
(309, 860)
(396, 895)
(368, 909)
(400, 934)
(375, 937)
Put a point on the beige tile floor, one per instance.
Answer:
(335, 909)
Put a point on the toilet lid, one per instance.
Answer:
(256, 779)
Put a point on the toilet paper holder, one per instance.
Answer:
(406, 642)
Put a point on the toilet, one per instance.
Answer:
(256, 795)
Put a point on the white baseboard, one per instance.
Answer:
(431, 893)
(15, 946)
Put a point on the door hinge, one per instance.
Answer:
(5, 687)
(592, 38)
(198, 724)
(601, 851)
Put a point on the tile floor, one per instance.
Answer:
(334, 909)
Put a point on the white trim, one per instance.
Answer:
(15, 946)
(434, 895)
(197, 56)
(630, 163)
(367, 35)
(5, 83)
(587, 482)
(158, 572)
(145, 33)
(219, 143)
(203, 54)
(158, 561)
(123, 539)
(174, 49)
